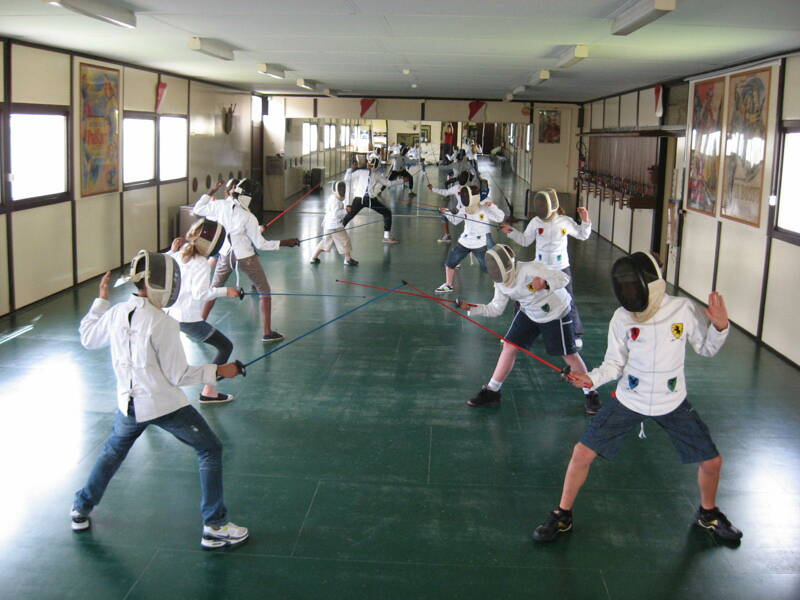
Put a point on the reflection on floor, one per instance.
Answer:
(352, 457)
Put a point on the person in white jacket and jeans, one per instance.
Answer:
(333, 228)
(646, 352)
(150, 368)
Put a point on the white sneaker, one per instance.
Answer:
(445, 239)
(229, 534)
(79, 522)
(444, 289)
(390, 240)
(578, 343)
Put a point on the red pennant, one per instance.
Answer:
(634, 333)
(659, 96)
(474, 107)
(366, 104)
(161, 89)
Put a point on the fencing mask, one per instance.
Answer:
(339, 188)
(501, 264)
(373, 160)
(207, 236)
(638, 284)
(461, 155)
(244, 189)
(463, 178)
(469, 199)
(360, 161)
(484, 189)
(159, 274)
(545, 204)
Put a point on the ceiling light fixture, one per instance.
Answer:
(509, 97)
(306, 84)
(271, 71)
(100, 10)
(520, 89)
(571, 56)
(211, 47)
(542, 77)
(638, 13)
(414, 85)
(406, 71)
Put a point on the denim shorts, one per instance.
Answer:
(558, 334)
(458, 253)
(687, 431)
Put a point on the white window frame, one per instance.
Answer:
(126, 148)
(30, 163)
(168, 152)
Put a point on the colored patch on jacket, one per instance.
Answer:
(558, 258)
(481, 216)
(541, 230)
(634, 333)
(563, 232)
(632, 382)
(672, 383)
(546, 307)
(531, 289)
(677, 330)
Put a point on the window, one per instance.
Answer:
(344, 135)
(256, 107)
(329, 136)
(172, 141)
(528, 138)
(138, 149)
(789, 207)
(511, 134)
(310, 138)
(38, 155)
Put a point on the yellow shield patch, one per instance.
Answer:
(563, 232)
(481, 216)
(532, 289)
(677, 330)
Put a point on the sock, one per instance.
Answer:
(386, 234)
(587, 391)
(565, 512)
(708, 513)
(494, 385)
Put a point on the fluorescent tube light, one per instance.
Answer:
(211, 47)
(306, 84)
(271, 71)
(571, 56)
(638, 13)
(100, 10)
(520, 89)
(544, 75)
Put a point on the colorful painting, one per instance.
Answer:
(746, 146)
(706, 145)
(549, 126)
(99, 128)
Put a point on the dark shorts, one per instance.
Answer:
(198, 331)
(687, 431)
(458, 253)
(558, 334)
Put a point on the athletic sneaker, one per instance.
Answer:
(444, 289)
(485, 397)
(229, 534)
(79, 522)
(390, 240)
(412, 195)
(314, 261)
(351, 263)
(445, 239)
(273, 336)
(591, 402)
(556, 522)
(579, 343)
(218, 399)
(717, 522)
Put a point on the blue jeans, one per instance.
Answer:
(189, 427)
(458, 253)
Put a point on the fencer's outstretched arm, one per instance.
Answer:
(495, 213)
(200, 287)
(707, 335)
(495, 308)
(206, 208)
(527, 237)
(253, 232)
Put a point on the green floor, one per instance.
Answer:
(360, 471)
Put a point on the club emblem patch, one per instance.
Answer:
(672, 383)
(541, 230)
(634, 333)
(546, 307)
(632, 382)
(563, 232)
(481, 216)
(558, 258)
(677, 330)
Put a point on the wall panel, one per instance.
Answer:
(140, 90)
(446, 110)
(597, 115)
(740, 271)
(611, 113)
(642, 236)
(409, 110)
(5, 301)
(2, 72)
(552, 162)
(172, 196)
(338, 108)
(697, 254)
(647, 108)
(593, 204)
(622, 227)
(40, 271)
(507, 112)
(628, 107)
(791, 95)
(299, 108)
(175, 101)
(98, 230)
(39, 76)
(141, 224)
(781, 325)
(606, 227)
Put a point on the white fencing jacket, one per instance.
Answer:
(196, 289)
(240, 224)
(146, 353)
(551, 238)
(542, 306)
(398, 162)
(361, 182)
(474, 234)
(334, 213)
(648, 357)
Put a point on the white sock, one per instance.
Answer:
(587, 391)
(386, 234)
(494, 385)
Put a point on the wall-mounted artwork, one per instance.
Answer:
(99, 129)
(706, 145)
(425, 133)
(549, 126)
(745, 146)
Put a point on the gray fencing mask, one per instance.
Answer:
(160, 276)
(501, 264)
(545, 204)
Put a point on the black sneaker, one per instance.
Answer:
(591, 403)
(314, 261)
(351, 262)
(718, 523)
(218, 399)
(556, 522)
(273, 336)
(485, 397)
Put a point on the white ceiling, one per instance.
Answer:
(454, 48)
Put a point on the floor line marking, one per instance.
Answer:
(303, 524)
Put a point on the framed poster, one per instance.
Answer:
(746, 146)
(706, 145)
(549, 126)
(99, 129)
(424, 133)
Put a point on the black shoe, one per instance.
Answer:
(718, 523)
(218, 399)
(314, 261)
(591, 402)
(273, 336)
(485, 397)
(556, 522)
(351, 263)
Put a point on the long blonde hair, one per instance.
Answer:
(189, 249)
